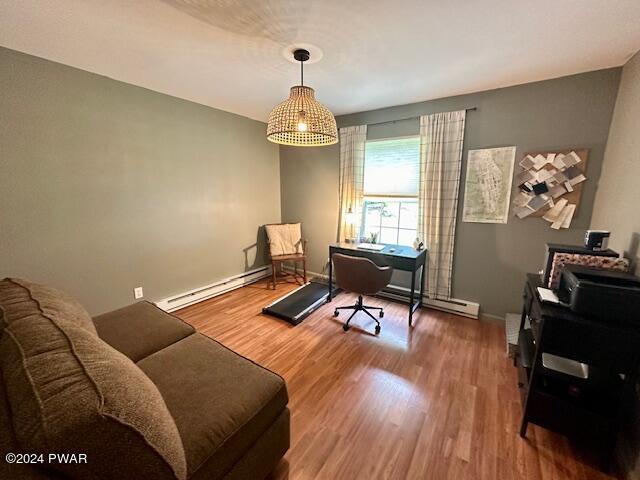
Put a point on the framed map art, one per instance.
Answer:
(488, 185)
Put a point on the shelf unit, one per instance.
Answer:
(572, 405)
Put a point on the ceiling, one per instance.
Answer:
(228, 54)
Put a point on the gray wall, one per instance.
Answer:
(107, 186)
(617, 203)
(617, 206)
(490, 259)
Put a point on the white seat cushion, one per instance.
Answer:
(284, 239)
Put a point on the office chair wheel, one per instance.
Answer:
(335, 313)
(377, 329)
(381, 314)
(345, 327)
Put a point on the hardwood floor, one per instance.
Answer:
(438, 401)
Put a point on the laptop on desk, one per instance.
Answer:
(374, 247)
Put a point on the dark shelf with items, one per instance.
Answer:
(597, 395)
(608, 353)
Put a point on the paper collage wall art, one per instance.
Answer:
(488, 185)
(550, 185)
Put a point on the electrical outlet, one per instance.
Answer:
(137, 293)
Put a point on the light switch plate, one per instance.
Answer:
(138, 293)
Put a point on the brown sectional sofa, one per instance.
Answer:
(137, 390)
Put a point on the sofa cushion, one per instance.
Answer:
(221, 402)
(20, 299)
(263, 456)
(140, 329)
(8, 443)
(69, 391)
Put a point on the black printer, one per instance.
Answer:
(605, 294)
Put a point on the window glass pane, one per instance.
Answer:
(392, 167)
(409, 214)
(388, 235)
(390, 214)
(406, 237)
(373, 212)
(372, 215)
(367, 234)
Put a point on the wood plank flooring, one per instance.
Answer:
(438, 401)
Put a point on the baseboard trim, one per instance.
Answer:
(488, 317)
(191, 297)
(455, 306)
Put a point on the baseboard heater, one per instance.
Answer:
(453, 305)
(208, 291)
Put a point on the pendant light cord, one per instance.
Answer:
(302, 82)
(302, 73)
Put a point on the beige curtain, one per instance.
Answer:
(441, 139)
(351, 187)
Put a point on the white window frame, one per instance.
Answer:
(391, 198)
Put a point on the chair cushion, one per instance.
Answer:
(21, 299)
(221, 402)
(140, 329)
(284, 238)
(69, 391)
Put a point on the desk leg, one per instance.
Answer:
(422, 285)
(330, 279)
(413, 291)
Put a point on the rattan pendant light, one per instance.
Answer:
(301, 120)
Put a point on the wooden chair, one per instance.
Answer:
(286, 245)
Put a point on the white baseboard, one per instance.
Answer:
(175, 302)
(196, 295)
(454, 305)
(489, 317)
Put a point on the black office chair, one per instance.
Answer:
(360, 275)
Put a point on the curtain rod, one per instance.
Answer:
(472, 109)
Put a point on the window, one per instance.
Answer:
(391, 178)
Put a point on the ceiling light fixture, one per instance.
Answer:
(301, 120)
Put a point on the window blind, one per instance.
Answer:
(392, 167)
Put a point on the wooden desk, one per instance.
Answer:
(399, 257)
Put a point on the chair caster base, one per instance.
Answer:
(345, 327)
(381, 314)
(377, 329)
(335, 313)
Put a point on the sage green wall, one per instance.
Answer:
(616, 208)
(107, 186)
(491, 260)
